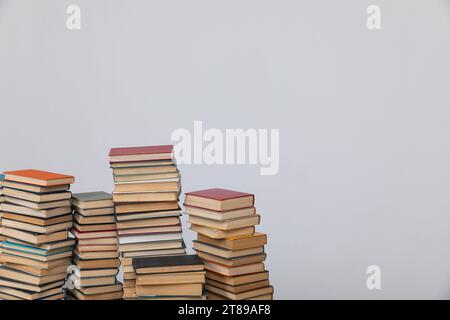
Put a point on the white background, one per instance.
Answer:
(363, 118)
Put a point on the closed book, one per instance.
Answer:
(242, 295)
(227, 224)
(39, 177)
(153, 222)
(168, 264)
(149, 196)
(236, 243)
(34, 188)
(45, 213)
(131, 154)
(92, 200)
(234, 271)
(150, 238)
(219, 215)
(219, 199)
(225, 253)
(37, 197)
(146, 207)
(34, 238)
(153, 185)
(147, 170)
(190, 289)
(222, 234)
(38, 205)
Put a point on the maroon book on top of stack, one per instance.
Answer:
(232, 250)
(146, 190)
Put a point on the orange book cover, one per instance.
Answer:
(39, 177)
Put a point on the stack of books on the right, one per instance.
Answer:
(227, 242)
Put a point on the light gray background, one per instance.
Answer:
(363, 117)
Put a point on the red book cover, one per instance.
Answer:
(131, 151)
(219, 194)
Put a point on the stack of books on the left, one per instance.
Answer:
(35, 223)
(170, 277)
(96, 261)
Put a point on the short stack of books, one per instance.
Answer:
(37, 250)
(170, 277)
(228, 244)
(96, 256)
(146, 190)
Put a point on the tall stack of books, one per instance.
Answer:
(170, 277)
(96, 257)
(35, 223)
(227, 242)
(146, 190)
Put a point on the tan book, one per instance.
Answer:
(30, 279)
(35, 228)
(34, 188)
(237, 280)
(147, 207)
(150, 230)
(219, 215)
(242, 295)
(97, 242)
(239, 289)
(227, 224)
(222, 234)
(148, 185)
(50, 247)
(234, 271)
(149, 196)
(148, 215)
(95, 227)
(43, 258)
(142, 223)
(244, 242)
(102, 296)
(96, 248)
(155, 253)
(95, 211)
(91, 282)
(234, 262)
(47, 213)
(30, 287)
(93, 235)
(91, 273)
(87, 255)
(144, 170)
(37, 197)
(92, 200)
(38, 205)
(9, 259)
(117, 287)
(34, 238)
(38, 221)
(159, 245)
(190, 289)
(27, 295)
(37, 271)
(145, 176)
(151, 163)
(171, 278)
(93, 219)
(225, 253)
(96, 264)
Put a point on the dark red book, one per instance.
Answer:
(132, 154)
(219, 199)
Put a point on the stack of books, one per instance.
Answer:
(2, 199)
(146, 190)
(96, 257)
(37, 250)
(170, 277)
(227, 242)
